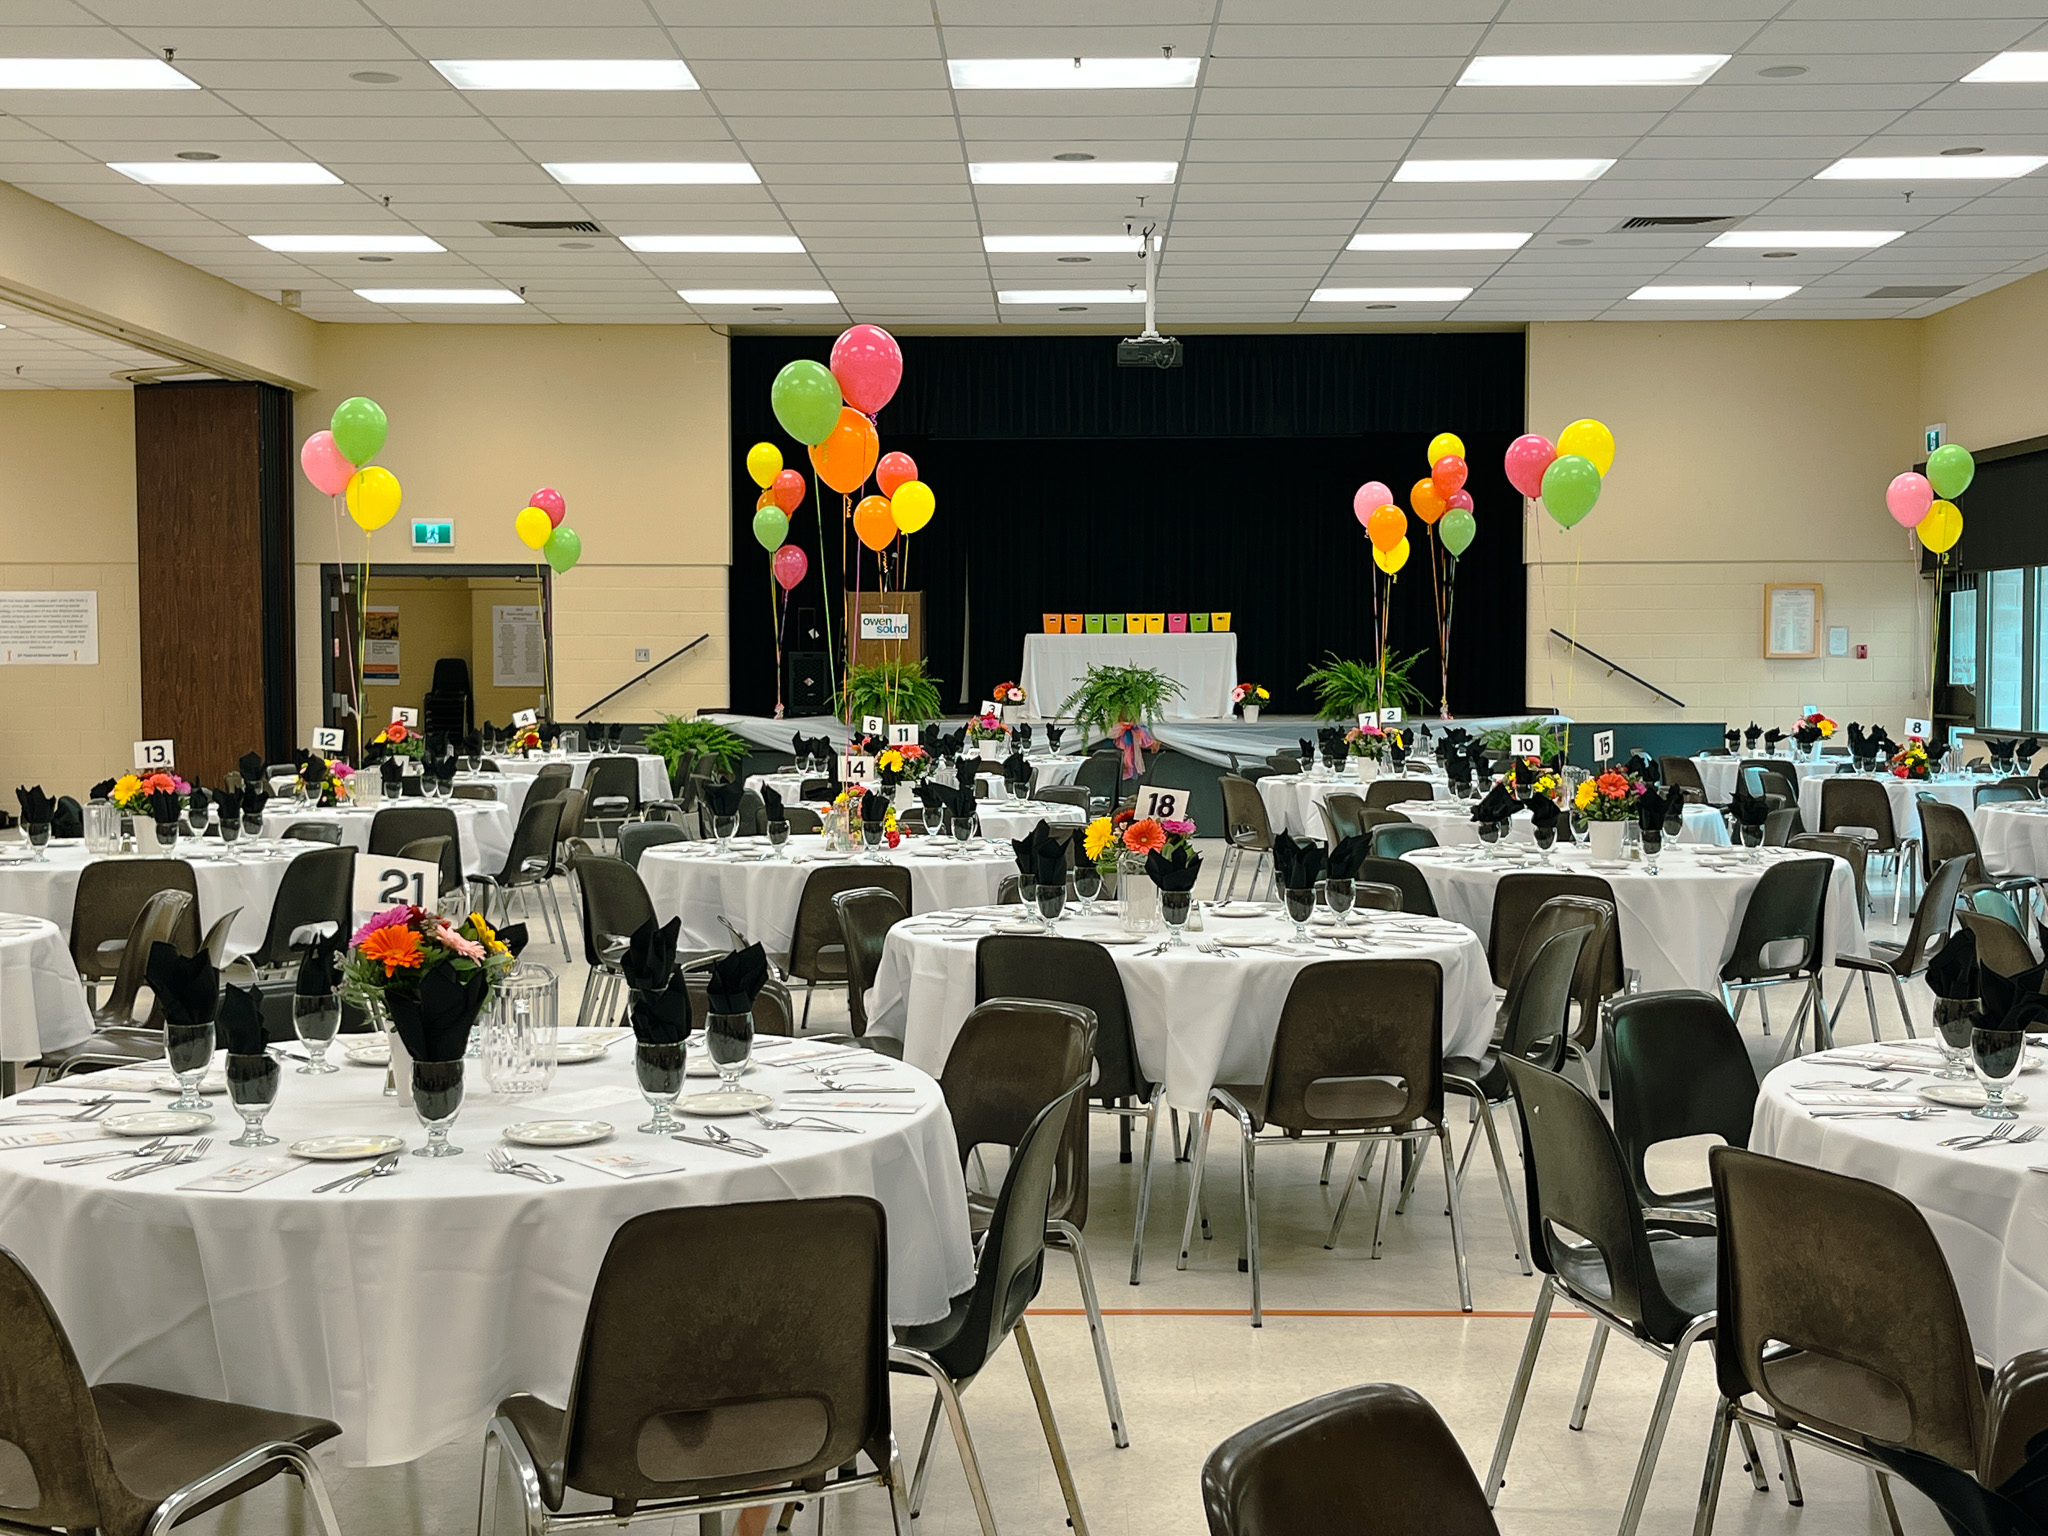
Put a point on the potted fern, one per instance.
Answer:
(1345, 690)
(1119, 702)
(898, 691)
(681, 741)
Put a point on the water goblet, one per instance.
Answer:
(659, 1069)
(230, 829)
(1752, 839)
(1955, 1019)
(1653, 844)
(1027, 891)
(729, 1041)
(723, 828)
(437, 1100)
(252, 1088)
(1087, 885)
(1489, 836)
(1051, 900)
(315, 1021)
(38, 835)
(778, 835)
(1340, 894)
(1173, 907)
(1546, 839)
(1301, 906)
(1998, 1055)
(188, 1051)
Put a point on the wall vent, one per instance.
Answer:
(543, 229)
(1914, 291)
(1676, 221)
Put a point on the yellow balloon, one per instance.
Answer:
(1589, 440)
(373, 496)
(912, 505)
(1443, 445)
(764, 463)
(1391, 560)
(1941, 527)
(532, 526)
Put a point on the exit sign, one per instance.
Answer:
(427, 535)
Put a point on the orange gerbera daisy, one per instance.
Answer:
(397, 946)
(1145, 836)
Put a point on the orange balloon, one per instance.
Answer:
(1387, 527)
(1427, 501)
(873, 522)
(764, 501)
(847, 456)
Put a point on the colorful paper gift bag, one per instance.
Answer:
(1113, 623)
(1219, 622)
(1052, 623)
(1155, 623)
(1176, 623)
(1198, 623)
(1073, 624)
(1092, 624)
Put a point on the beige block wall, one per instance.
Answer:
(67, 523)
(1982, 372)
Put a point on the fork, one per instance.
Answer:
(190, 1152)
(151, 1148)
(388, 1163)
(806, 1123)
(2000, 1132)
(90, 1112)
(502, 1161)
(712, 1136)
(1876, 1114)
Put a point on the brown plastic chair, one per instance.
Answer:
(121, 1459)
(116, 1040)
(1357, 1056)
(1677, 1067)
(1787, 906)
(1866, 803)
(396, 825)
(1871, 1362)
(1385, 794)
(1283, 762)
(475, 792)
(611, 791)
(1778, 777)
(442, 853)
(1246, 830)
(327, 832)
(817, 957)
(612, 905)
(761, 1388)
(1065, 794)
(1682, 773)
(1600, 975)
(1946, 833)
(1781, 826)
(111, 893)
(2000, 946)
(1403, 877)
(1344, 816)
(574, 823)
(866, 914)
(1900, 961)
(530, 865)
(1516, 901)
(803, 821)
(1852, 851)
(1371, 896)
(1373, 1460)
(552, 779)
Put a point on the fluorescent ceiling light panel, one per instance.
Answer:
(1448, 241)
(349, 245)
(1071, 74)
(226, 173)
(1070, 296)
(567, 74)
(1807, 239)
(1502, 170)
(1932, 168)
(714, 297)
(439, 296)
(716, 245)
(1594, 69)
(1389, 295)
(1049, 245)
(653, 173)
(1717, 293)
(1042, 173)
(2017, 67)
(91, 75)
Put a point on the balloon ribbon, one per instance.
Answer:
(1135, 741)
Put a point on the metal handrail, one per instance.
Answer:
(671, 656)
(1615, 666)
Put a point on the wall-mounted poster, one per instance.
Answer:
(1792, 620)
(50, 629)
(516, 651)
(380, 647)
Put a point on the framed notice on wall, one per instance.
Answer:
(380, 647)
(1792, 614)
(50, 629)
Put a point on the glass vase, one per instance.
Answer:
(1140, 896)
(437, 1100)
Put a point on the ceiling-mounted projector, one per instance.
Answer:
(1148, 351)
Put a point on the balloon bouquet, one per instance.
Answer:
(1445, 507)
(337, 461)
(1926, 504)
(832, 412)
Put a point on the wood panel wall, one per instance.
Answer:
(211, 503)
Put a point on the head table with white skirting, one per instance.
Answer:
(2013, 835)
(758, 894)
(1294, 801)
(405, 1310)
(1198, 1018)
(1957, 789)
(1718, 774)
(239, 877)
(652, 767)
(483, 827)
(1454, 826)
(1678, 926)
(42, 1001)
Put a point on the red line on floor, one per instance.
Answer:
(1280, 1312)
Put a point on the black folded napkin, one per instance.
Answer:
(1021, 737)
(771, 805)
(1299, 864)
(724, 799)
(1180, 872)
(434, 1022)
(1308, 750)
(736, 980)
(197, 804)
(650, 957)
(375, 754)
(240, 1025)
(101, 790)
(1952, 973)
(1645, 767)
(312, 767)
(2026, 749)
(1457, 766)
(550, 734)
(660, 1004)
(2000, 749)
(254, 798)
(251, 765)
(164, 809)
(951, 743)
(1397, 751)
(228, 803)
(1773, 736)
(392, 772)
(1881, 742)
(488, 731)
(1651, 810)
(67, 819)
(1347, 856)
(1858, 749)
(1049, 864)
(1498, 805)
(187, 988)
(2011, 1002)
(1749, 736)
(444, 771)
(1016, 770)
(1052, 736)
(874, 807)
(1733, 738)
(473, 744)
(36, 806)
(1523, 775)
(1750, 810)
(1026, 849)
(1674, 812)
(1332, 741)
(966, 794)
(1543, 812)
(320, 967)
(890, 777)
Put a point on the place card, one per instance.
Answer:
(50, 1136)
(620, 1165)
(246, 1174)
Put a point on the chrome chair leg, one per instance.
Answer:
(1788, 1469)
(1201, 1156)
(1248, 1156)
(1660, 1421)
(1046, 1422)
(561, 926)
(1870, 1002)
(1412, 1161)
(1507, 1190)
(1443, 1133)
(1905, 1013)
(509, 1448)
(1069, 1237)
(924, 1455)
(1329, 1157)
(949, 1396)
(1539, 1319)
(1717, 1457)
(899, 1500)
(1145, 1184)
(1379, 1207)
(1365, 1147)
(1590, 1375)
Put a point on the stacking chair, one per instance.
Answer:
(1403, 877)
(1946, 833)
(1246, 830)
(816, 790)
(1357, 1056)
(396, 825)
(1082, 974)
(571, 829)
(111, 894)
(817, 955)
(314, 832)
(1901, 961)
(753, 817)
(2000, 946)
(1788, 905)
(1385, 794)
(1370, 896)
(612, 904)
(318, 887)
(1522, 910)
(1852, 851)
(1656, 1294)
(2005, 792)
(1393, 840)
(528, 864)
(1683, 774)
(1344, 816)
(1066, 794)
(552, 779)
(1008, 889)
(1875, 1364)
(1373, 1460)
(802, 820)
(1780, 826)
(442, 853)
(636, 837)
(774, 1014)
(866, 914)
(1099, 775)
(690, 1398)
(165, 917)
(1866, 806)
(1777, 777)
(475, 792)
(2031, 788)
(1283, 762)
(611, 788)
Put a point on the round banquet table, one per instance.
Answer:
(407, 1309)
(1197, 1019)
(244, 876)
(1294, 802)
(1454, 827)
(1677, 927)
(1001, 818)
(42, 1001)
(1717, 774)
(759, 895)
(508, 788)
(1987, 1208)
(1957, 789)
(483, 827)
(2013, 835)
(653, 768)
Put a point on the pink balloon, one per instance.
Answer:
(1459, 501)
(549, 500)
(324, 464)
(894, 469)
(1527, 458)
(1369, 498)
(868, 365)
(790, 566)
(1908, 498)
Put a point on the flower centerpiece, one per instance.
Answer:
(909, 762)
(1539, 780)
(1910, 761)
(1118, 845)
(1008, 699)
(1812, 730)
(131, 791)
(1247, 699)
(400, 740)
(1608, 803)
(526, 739)
(326, 784)
(985, 728)
(393, 952)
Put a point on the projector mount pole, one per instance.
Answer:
(1151, 301)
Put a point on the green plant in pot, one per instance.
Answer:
(1112, 696)
(1345, 690)
(898, 691)
(681, 741)
(1501, 738)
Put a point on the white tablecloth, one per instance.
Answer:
(1677, 927)
(509, 788)
(1959, 790)
(1454, 827)
(246, 879)
(653, 769)
(1986, 1209)
(1197, 1019)
(999, 818)
(2013, 836)
(406, 1310)
(1205, 666)
(42, 1001)
(759, 896)
(483, 827)
(1717, 774)
(1294, 802)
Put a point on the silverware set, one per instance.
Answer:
(2002, 1132)
(151, 1148)
(724, 1141)
(1925, 1112)
(385, 1165)
(502, 1161)
(90, 1112)
(173, 1157)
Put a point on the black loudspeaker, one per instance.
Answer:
(810, 683)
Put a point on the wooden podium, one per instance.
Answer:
(884, 626)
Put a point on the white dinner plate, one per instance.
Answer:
(344, 1149)
(1966, 1095)
(157, 1122)
(371, 1053)
(215, 1081)
(1018, 926)
(697, 1064)
(1237, 909)
(1249, 941)
(712, 1104)
(1114, 938)
(570, 1053)
(1612, 865)
(557, 1133)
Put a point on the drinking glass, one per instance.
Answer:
(1087, 885)
(1340, 894)
(1027, 891)
(252, 1087)
(38, 835)
(1301, 906)
(876, 840)
(195, 818)
(1016, 788)
(437, 1100)
(723, 828)
(778, 834)
(1173, 907)
(1546, 839)
(1752, 839)
(315, 1020)
(1998, 1055)
(729, 1041)
(660, 1071)
(1052, 900)
(188, 1050)
(1489, 836)
(230, 829)
(1653, 844)
(1954, 1020)
(963, 829)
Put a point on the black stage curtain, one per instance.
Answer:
(1067, 484)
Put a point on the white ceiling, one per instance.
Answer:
(40, 353)
(1287, 148)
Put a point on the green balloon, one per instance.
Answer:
(563, 550)
(359, 427)
(771, 527)
(806, 400)
(1950, 469)
(1570, 487)
(1456, 528)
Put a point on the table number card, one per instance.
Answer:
(857, 769)
(329, 739)
(1603, 746)
(988, 706)
(902, 735)
(1390, 716)
(871, 725)
(521, 718)
(153, 756)
(1924, 729)
(1163, 804)
(400, 715)
(1526, 746)
(385, 881)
